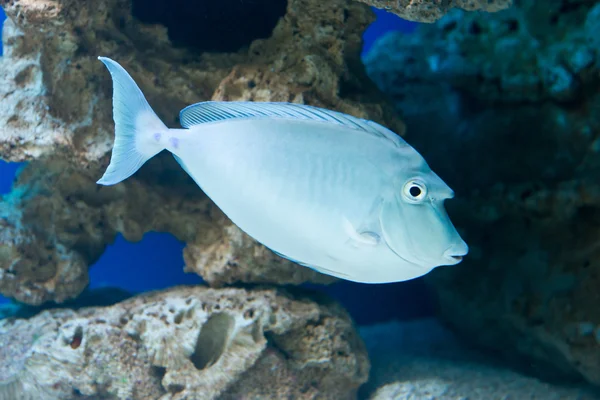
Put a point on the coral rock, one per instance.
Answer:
(55, 224)
(186, 343)
(56, 113)
(507, 109)
(433, 10)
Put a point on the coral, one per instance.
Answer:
(183, 343)
(56, 113)
(514, 97)
(543, 51)
(421, 359)
(432, 10)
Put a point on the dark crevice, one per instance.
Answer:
(158, 372)
(212, 26)
(175, 388)
(273, 344)
(212, 340)
(77, 338)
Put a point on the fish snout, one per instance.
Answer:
(456, 252)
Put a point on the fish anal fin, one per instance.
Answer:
(316, 268)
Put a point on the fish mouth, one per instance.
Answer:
(456, 255)
(453, 259)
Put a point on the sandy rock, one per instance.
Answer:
(186, 343)
(432, 10)
(56, 112)
(506, 109)
(422, 360)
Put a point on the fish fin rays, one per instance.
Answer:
(213, 111)
(318, 269)
(135, 125)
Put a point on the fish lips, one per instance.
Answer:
(456, 253)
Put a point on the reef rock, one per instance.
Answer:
(506, 108)
(433, 10)
(186, 343)
(421, 359)
(56, 113)
(56, 222)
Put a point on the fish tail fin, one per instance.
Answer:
(137, 128)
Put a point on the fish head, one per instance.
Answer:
(414, 221)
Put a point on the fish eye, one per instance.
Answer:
(415, 191)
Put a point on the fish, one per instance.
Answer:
(341, 195)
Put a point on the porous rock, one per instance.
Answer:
(56, 113)
(505, 108)
(432, 10)
(186, 343)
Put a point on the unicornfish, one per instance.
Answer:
(339, 194)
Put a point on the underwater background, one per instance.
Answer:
(123, 263)
(502, 98)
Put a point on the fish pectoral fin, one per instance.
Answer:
(366, 236)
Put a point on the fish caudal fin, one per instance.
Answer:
(137, 127)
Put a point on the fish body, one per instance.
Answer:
(326, 190)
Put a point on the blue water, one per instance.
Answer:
(385, 22)
(8, 172)
(156, 262)
(2, 18)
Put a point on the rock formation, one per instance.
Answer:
(422, 360)
(433, 10)
(186, 343)
(505, 107)
(56, 113)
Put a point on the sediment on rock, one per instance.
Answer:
(56, 113)
(506, 108)
(432, 10)
(186, 342)
(422, 359)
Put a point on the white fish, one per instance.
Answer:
(342, 195)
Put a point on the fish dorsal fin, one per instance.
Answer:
(213, 111)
